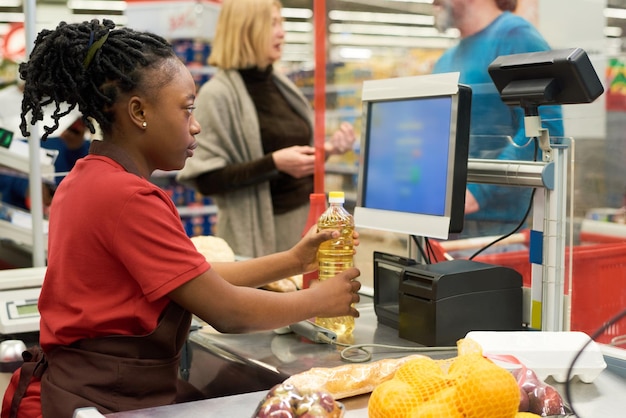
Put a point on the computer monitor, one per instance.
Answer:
(414, 150)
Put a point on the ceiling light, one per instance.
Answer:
(297, 26)
(613, 32)
(12, 17)
(296, 53)
(387, 30)
(293, 13)
(610, 12)
(408, 19)
(297, 48)
(390, 41)
(355, 53)
(11, 3)
(298, 37)
(110, 5)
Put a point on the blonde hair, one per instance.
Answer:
(242, 35)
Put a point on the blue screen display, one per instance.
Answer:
(407, 155)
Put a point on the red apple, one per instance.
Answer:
(524, 401)
(546, 401)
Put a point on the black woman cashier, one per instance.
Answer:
(123, 278)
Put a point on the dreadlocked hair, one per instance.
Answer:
(69, 68)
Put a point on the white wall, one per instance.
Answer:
(578, 23)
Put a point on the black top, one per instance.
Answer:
(280, 127)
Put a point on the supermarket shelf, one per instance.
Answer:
(20, 278)
(343, 113)
(202, 70)
(185, 211)
(21, 163)
(334, 88)
(19, 234)
(20, 229)
(602, 231)
(333, 168)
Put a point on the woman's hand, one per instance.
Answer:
(338, 295)
(471, 204)
(342, 140)
(297, 161)
(306, 249)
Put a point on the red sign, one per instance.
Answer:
(14, 43)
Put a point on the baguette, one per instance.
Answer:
(348, 379)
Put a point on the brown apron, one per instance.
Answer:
(118, 373)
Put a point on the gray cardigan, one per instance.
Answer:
(231, 134)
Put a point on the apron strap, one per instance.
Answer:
(34, 366)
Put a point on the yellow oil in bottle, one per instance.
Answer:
(335, 256)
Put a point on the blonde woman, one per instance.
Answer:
(255, 155)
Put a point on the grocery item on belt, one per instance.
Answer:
(216, 249)
(288, 284)
(349, 379)
(287, 401)
(213, 248)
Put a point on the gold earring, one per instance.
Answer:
(144, 124)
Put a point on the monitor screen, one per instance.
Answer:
(413, 169)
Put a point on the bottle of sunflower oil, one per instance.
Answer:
(335, 256)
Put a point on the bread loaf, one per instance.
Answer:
(290, 284)
(349, 379)
(216, 249)
(213, 248)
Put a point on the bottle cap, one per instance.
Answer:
(336, 197)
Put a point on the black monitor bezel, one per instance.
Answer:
(459, 150)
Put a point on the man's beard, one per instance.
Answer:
(444, 18)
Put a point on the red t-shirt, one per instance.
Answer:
(116, 248)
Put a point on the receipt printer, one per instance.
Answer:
(438, 304)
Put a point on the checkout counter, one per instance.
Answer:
(236, 371)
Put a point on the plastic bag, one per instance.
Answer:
(287, 401)
(536, 396)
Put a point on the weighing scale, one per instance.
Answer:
(19, 293)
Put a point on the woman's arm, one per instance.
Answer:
(222, 296)
(236, 176)
(302, 258)
(235, 309)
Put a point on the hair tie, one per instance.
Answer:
(93, 48)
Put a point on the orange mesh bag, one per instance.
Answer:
(440, 405)
(484, 389)
(467, 386)
(424, 376)
(394, 398)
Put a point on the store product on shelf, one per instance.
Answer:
(195, 53)
(197, 212)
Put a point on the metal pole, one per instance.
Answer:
(554, 246)
(547, 291)
(34, 177)
(508, 173)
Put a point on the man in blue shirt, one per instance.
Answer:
(488, 30)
